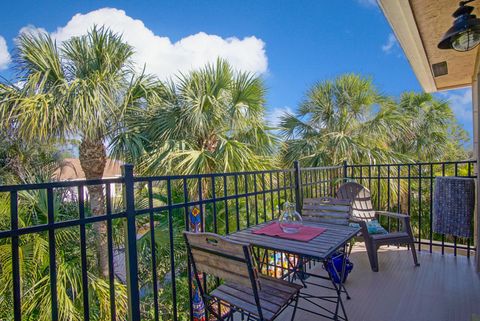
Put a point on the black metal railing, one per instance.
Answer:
(225, 202)
(141, 220)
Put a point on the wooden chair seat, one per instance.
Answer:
(274, 295)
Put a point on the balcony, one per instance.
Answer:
(149, 277)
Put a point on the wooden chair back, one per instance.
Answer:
(360, 198)
(228, 260)
(326, 210)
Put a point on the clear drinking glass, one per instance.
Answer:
(290, 221)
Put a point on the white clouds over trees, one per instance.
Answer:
(161, 56)
(4, 54)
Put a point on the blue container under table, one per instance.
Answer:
(334, 267)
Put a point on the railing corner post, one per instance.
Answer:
(131, 258)
(345, 173)
(298, 186)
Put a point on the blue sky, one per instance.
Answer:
(292, 44)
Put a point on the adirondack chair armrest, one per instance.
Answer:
(405, 219)
(393, 215)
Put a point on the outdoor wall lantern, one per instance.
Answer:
(464, 35)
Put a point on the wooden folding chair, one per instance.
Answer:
(244, 290)
(328, 210)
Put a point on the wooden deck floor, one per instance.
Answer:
(443, 288)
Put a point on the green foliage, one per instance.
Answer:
(34, 265)
(337, 122)
(347, 119)
(82, 88)
(209, 120)
(434, 133)
(21, 160)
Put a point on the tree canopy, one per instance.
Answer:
(209, 120)
(348, 119)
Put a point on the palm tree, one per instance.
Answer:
(209, 120)
(346, 119)
(20, 159)
(82, 88)
(435, 134)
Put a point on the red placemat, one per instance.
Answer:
(305, 234)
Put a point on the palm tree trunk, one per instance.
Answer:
(205, 195)
(93, 158)
(210, 143)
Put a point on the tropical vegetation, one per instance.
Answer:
(209, 120)
(348, 119)
(86, 92)
(81, 88)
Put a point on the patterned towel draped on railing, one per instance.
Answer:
(453, 207)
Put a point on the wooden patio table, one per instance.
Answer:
(320, 248)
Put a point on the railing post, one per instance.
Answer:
(298, 187)
(345, 170)
(131, 245)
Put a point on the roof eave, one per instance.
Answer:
(400, 16)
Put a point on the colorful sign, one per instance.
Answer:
(198, 306)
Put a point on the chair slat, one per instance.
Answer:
(328, 220)
(220, 257)
(222, 267)
(247, 306)
(215, 243)
(246, 295)
(326, 213)
(326, 200)
(361, 199)
(326, 210)
(326, 207)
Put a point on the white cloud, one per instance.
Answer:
(4, 54)
(368, 3)
(390, 44)
(164, 57)
(273, 116)
(461, 103)
(32, 30)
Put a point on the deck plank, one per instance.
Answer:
(443, 288)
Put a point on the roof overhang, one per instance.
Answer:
(419, 25)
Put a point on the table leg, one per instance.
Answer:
(298, 271)
(340, 286)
